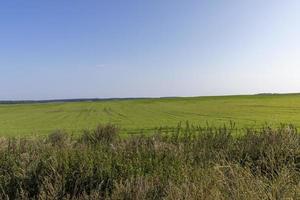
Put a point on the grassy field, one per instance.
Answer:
(187, 163)
(134, 115)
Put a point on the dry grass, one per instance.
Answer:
(182, 163)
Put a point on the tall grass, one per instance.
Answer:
(186, 162)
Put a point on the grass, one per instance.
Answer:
(135, 115)
(186, 162)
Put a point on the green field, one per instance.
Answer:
(134, 115)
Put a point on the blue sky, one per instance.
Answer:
(134, 48)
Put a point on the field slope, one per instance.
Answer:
(133, 115)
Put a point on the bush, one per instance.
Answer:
(103, 134)
(58, 138)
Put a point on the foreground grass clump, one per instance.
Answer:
(180, 163)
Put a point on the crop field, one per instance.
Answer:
(109, 156)
(135, 115)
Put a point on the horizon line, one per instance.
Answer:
(127, 98)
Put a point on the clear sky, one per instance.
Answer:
(137, 48)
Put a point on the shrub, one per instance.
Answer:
(58, 138)
(103, 134)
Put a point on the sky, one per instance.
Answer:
(138, 48)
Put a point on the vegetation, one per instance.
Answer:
(146, 114)
(185, 162)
